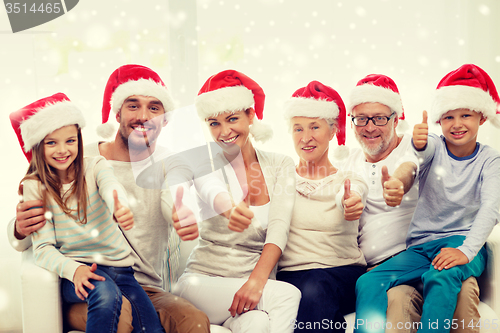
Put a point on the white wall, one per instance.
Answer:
(282, 44)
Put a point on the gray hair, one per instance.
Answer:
(331, 122)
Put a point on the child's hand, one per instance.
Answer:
(81, 280)
(420, 133)
(449, 257)
(353, 207)
(122, 214)
(183, 218)
(393, 188)
(241, 216)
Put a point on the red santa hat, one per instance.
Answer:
(126, 81)
(35, 121)
(378, 88)
(232, 91)
(468, 87)
(319, 101)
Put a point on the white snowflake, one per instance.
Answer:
(360, 11)
(485, 10)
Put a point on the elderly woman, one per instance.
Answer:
(322, 257)
(230, 274)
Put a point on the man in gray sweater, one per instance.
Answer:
(139, 100)
(389, 166)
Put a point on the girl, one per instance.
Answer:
(80, 242)
(230, 274)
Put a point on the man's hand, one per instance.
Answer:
(449, 257)
(393, 188)
(29, 217)
(247, 297)
(122, 214)
(241, 216)
(420, 133)
(81, 280)
(353, 207)
(183, 218)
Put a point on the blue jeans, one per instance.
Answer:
(105, 301)
(327, 295)
(440, 287)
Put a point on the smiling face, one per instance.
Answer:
(377, 142)
(311, 138)
(460, 129)
(141, 119)
(231, 130)
(61, 150)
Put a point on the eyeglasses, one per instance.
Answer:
(377, 120)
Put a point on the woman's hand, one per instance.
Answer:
(353, 207)
(247, 297)
(241, 216)
(81, 280)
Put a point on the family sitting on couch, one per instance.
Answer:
(385, 232)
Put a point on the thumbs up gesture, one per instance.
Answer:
(241, 216)
(420, 133)
(183, 218)
(393, 188)
(353, 207)
(122, 214)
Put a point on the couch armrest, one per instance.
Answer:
(41, 299)
(489, 280)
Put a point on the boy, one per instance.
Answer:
(457, 207)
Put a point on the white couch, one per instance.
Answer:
(41, 301)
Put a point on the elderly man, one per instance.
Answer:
(390, 168)
(139, 100)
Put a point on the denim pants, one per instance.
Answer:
(327, 295)
(105, 301)
(440, 287)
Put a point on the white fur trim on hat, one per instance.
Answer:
(403, 126)
(495, 120)
(311, 108)
(141, 87)
(228, 99)
(462, 97)
(341, 152)
(48, 119)
(369, 93)
(106, 130)
(261, 131)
